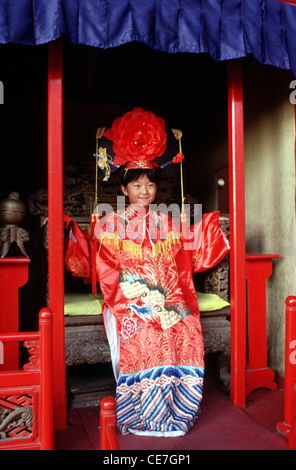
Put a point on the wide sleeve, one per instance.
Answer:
(107, 233)
(108, 256)
(210, 244)
(77, 250)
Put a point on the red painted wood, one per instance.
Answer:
(13, 275)
(55, 225)
(34, 381)
(19, 378)
(13, 337)
(19, 446)
(237, 232)
(108, 425)
(46, 388)
(258, 269)
(290, 365)
(292, 434)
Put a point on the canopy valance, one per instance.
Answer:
(224, 29)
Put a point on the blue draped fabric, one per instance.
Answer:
(224, 29)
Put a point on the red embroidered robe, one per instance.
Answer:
(145, 267)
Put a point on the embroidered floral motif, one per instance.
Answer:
(76, 267)
(128, 327)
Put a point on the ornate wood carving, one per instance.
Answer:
(86, 344)
(16, 416)
(79, 189)
(217, 279)
(34, 358)
(12, 234)
(216, 335)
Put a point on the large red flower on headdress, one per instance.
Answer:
(138, 135)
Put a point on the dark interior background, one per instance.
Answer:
(188, 90)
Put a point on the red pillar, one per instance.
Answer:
(237, 232)
(290, 368)
(55, 226)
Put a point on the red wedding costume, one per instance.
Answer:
(152, 318)
(144, 264)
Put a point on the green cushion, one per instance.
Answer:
(83, 304)
(208, 302)
(89, 304)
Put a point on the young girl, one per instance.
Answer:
(151, 313)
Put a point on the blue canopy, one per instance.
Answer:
(224, 29)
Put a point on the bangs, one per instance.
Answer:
(127, 176)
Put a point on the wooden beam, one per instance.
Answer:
(237, 232)
(55, 226)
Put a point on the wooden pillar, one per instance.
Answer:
(285, 426)
(108, 426)
(46, 379)
(237, 232)
(55, 226)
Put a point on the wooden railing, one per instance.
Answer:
(108, 427)
(26, 396)
(288, 426)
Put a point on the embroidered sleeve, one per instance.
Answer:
(210, 243)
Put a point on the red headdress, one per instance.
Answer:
(138, 138)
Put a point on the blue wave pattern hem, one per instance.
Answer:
(161, 401)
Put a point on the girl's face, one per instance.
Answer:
(141, 192)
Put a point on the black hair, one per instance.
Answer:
(127, 176)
